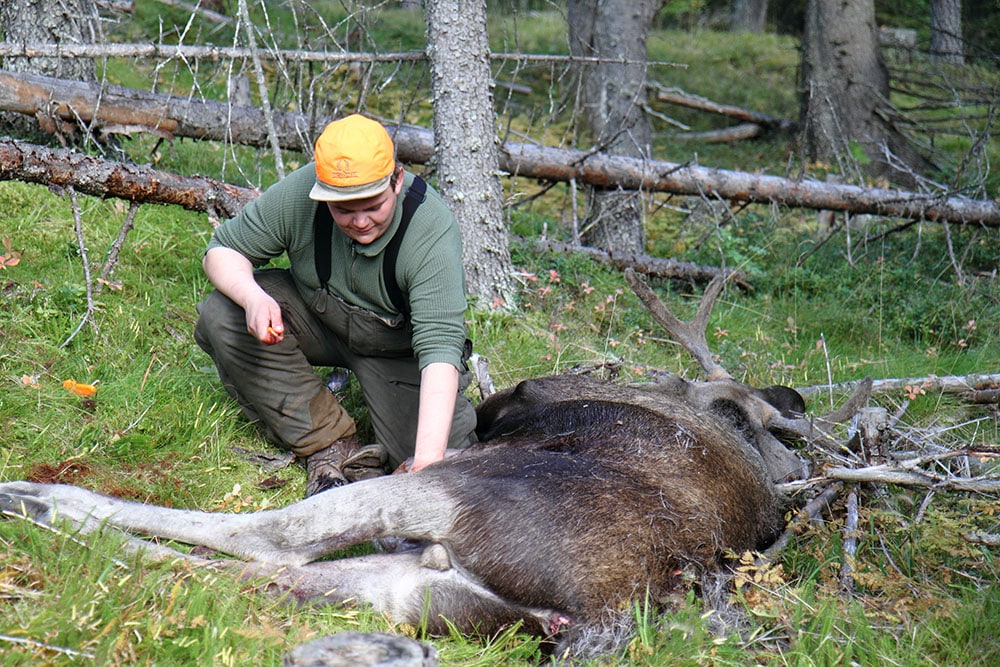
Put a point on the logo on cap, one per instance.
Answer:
(341, 169)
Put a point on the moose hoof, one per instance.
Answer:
(17, 505)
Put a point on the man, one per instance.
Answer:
(368, 288)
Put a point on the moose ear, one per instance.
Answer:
(788, 401)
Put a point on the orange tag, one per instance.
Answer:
(80, 389)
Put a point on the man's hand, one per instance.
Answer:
(264, 319)
(232, 274)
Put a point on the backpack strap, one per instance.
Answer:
(323, 237)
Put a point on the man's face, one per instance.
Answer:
(365, 220)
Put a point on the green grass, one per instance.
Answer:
(160, 428)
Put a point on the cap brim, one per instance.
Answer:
(324, 192)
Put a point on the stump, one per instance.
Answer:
(361, 649)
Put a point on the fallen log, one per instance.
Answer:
(91, 175)
(118, 109)
(728, 135)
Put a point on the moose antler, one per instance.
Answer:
(690, 334)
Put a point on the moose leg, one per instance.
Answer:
(421, 587)
(415, 506)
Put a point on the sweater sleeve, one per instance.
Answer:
(430, 270)
(265, 228)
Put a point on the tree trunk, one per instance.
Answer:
(42, 21)
(846, 117)
(748, 16)
(946, 31)
(613, 91)
(117, 109)
(466, 143)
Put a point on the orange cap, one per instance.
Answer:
(354, 159)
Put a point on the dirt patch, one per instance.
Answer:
(148, 482)
(72, 471)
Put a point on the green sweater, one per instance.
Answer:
(428, 268)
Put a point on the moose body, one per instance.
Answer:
(583, 498)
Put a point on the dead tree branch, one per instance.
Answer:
(163, 51)
(116, 248)
(102, 178)
(850, 547)
(681, 98)
(949, 384)
(813, 511)
(82, 249)
(115, 107)
(898, 475)
(652, 266)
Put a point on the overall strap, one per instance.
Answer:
(414, 198)
(323, 237)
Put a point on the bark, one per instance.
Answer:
(748, 16)
(846, 117)
(946, 31)
(61, 168)
(613, 90)
(466, 144)
(66, 22)
(117, 109)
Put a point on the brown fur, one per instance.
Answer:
(583, 498)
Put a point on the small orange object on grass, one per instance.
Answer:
(79, 388)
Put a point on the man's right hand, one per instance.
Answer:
(264, 319)
(232, 274)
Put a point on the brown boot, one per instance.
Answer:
(367, 462)
(325, 468)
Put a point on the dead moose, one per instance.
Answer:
(583, 498)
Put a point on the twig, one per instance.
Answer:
(829, 373)
(924, 504)
(78, 230)
(116, 247)
(206, 14)
(987, 539)
(850, 542)
(919, 478)
(23, 516)
(265, 100)
(49, 647)
(813, 510)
